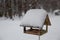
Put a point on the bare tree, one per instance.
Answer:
(19, 7)
(16, 6)
(12, 7)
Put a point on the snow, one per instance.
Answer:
(11, 30)
(57, 10)
(34, 18)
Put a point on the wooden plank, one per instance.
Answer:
(36, 32)
(47, 28)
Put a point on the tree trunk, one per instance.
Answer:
(4, 6)
(16, 6)
(12, 6)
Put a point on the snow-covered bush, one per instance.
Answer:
(56, 12)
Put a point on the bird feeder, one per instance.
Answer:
(34, 17)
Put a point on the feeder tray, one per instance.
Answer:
(35, 32)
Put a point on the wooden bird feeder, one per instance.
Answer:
(36, 31)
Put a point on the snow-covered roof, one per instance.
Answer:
(34, 18)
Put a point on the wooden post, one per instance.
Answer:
(30, 28)
(46, 28)
(24, 29)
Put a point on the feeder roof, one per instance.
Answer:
(34, 18)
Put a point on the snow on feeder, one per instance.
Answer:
(35, 19)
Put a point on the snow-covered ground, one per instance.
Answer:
(11, 30)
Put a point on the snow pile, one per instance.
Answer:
(34, 17)
(56, 11)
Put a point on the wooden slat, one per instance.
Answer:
(36, 32)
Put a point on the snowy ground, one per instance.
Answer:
(10, 30)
